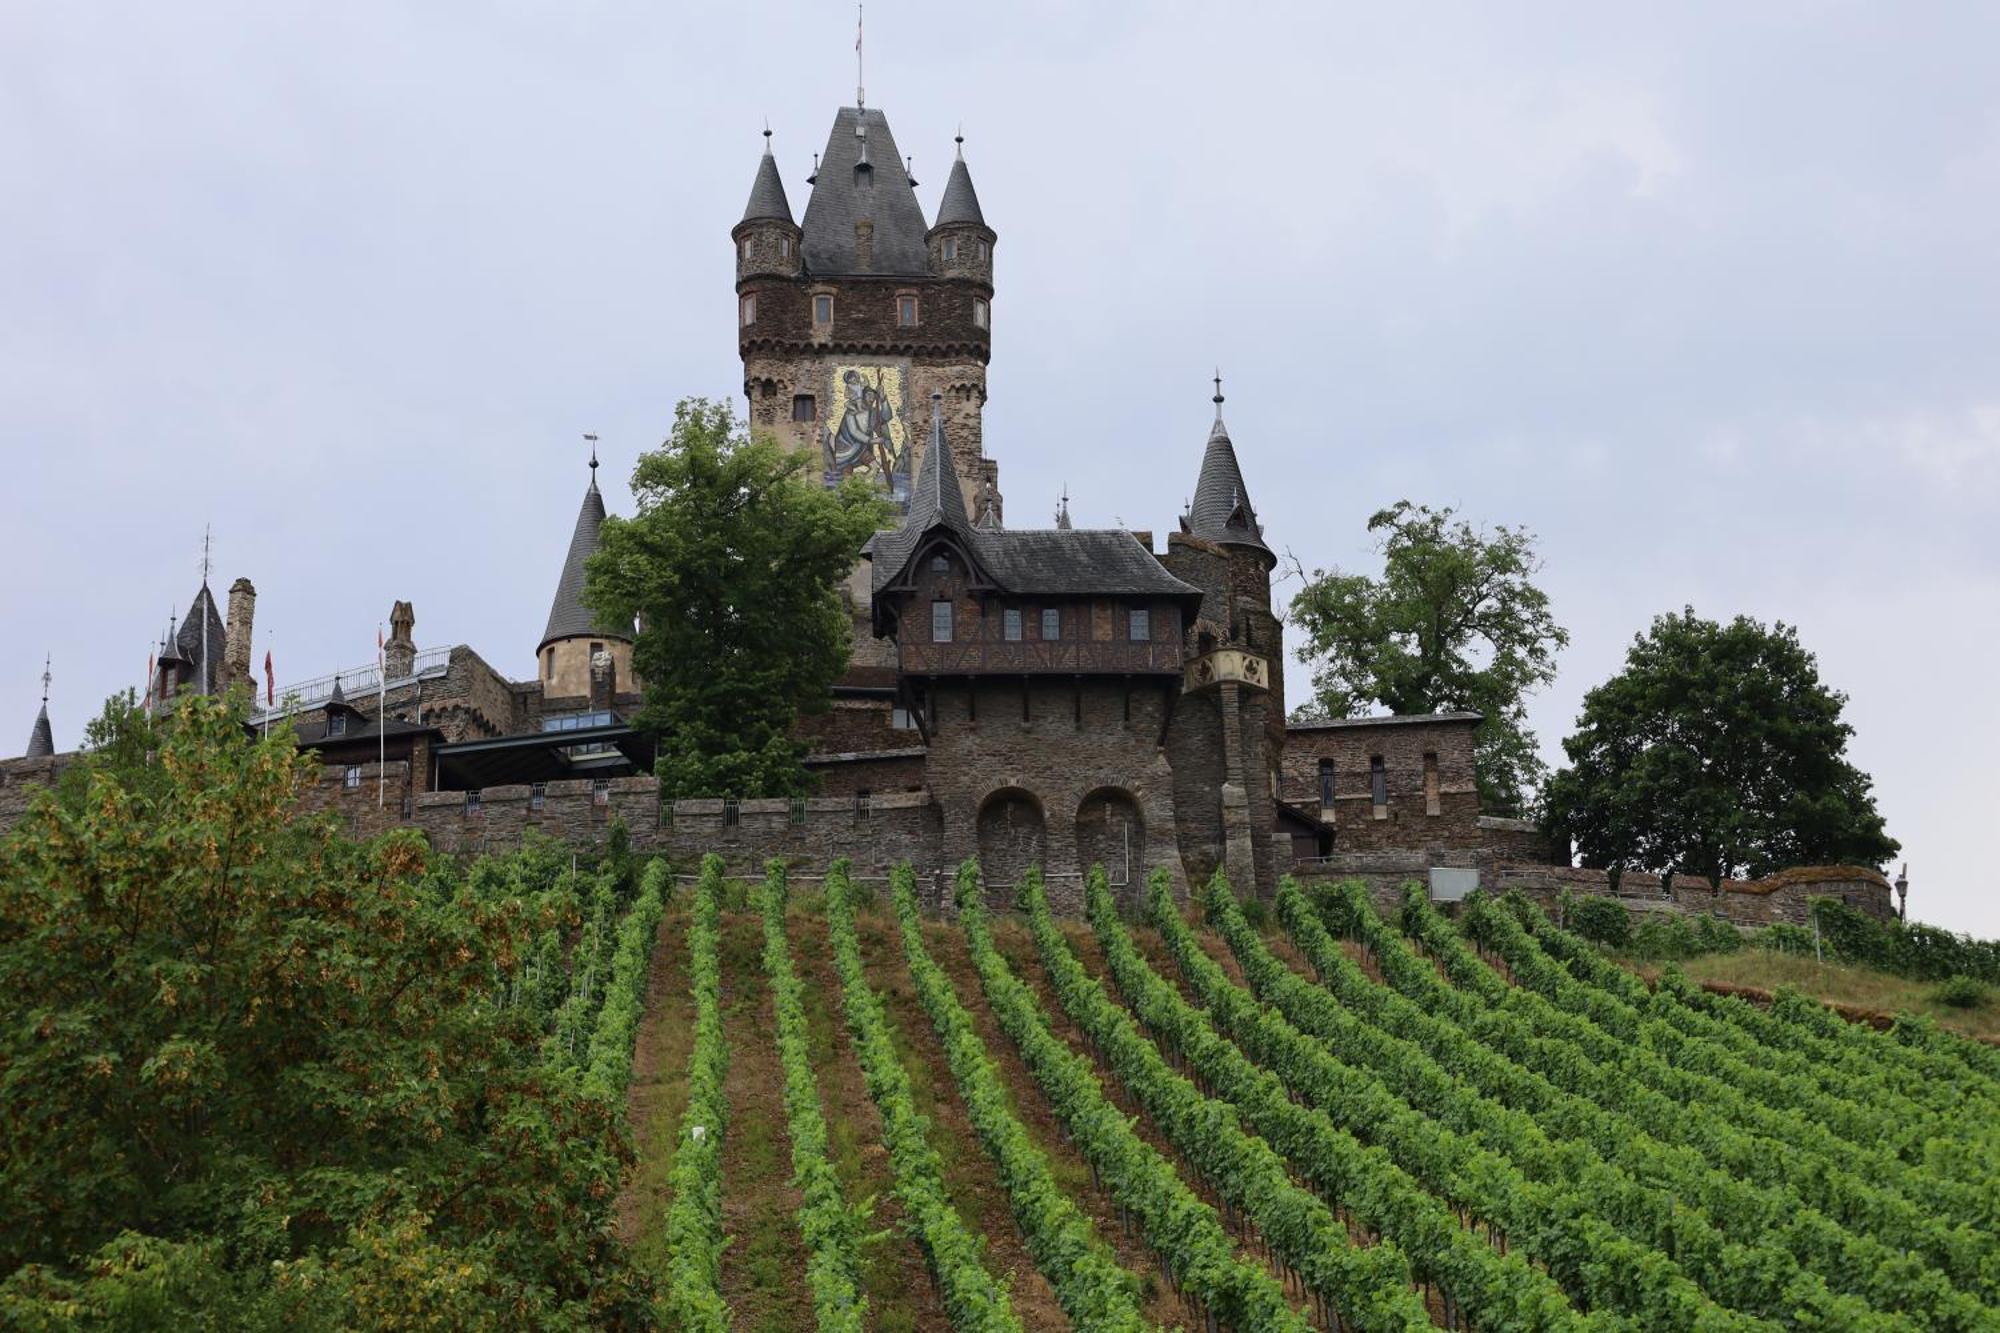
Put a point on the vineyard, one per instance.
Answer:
(1306, 1113)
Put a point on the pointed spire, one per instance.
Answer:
(961, 201)
(1062, 510)
(41, 739)
(936, 497)
(569, 618)
(338, 699)
(767, 191)
(1220, 510)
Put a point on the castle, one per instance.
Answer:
(1051, 696)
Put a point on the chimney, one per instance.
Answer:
(236, 637)
(399, 654)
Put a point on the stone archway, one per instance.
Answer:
(1111, 831)
(1012, 836)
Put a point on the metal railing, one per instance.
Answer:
(354, 682)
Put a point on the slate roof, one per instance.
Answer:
(1221, 509)
(1073, 561)
(767, 192)
(41, 740)
(569, 618)
(850, 188)
(313, 734)
(189, 646)
(961, 201)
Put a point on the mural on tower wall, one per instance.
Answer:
(867, 427)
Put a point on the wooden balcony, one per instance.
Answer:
(978, 657)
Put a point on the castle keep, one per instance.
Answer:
(1033, 696)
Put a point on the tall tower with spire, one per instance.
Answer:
(849, 319)
(1228, 736)
(575, 634)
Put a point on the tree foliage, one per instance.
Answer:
(732, 567)
(1455, 622)
(252, 1073)
(1716, 751)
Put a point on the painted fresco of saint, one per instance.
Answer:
(866, 434)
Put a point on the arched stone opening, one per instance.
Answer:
(1111, 832)
(1012, 836)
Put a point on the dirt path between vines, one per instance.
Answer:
(658, 1093)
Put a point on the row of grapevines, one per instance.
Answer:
(972, 1299)
(1367, 1287)
(1093, 1290)
(1856, 1101)
(1556, 1219)
(1773, 1157)
(589, 972)
(607, 1065)
(831, 1229)
(694, 1219)
(1555, 1082)
(1690, 1057)
(1197, 1253)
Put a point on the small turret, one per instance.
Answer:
(575, 633)
(41, 739)
(1221, 511)
(767, 240)
(961, 243)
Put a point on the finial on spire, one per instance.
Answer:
(814, 178)
(959, 139)
(937, 407)
(767, 136)
(204, 554)
(593, 456)
(45, 680)
(1218, 388)
(860, 91)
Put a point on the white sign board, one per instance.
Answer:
(1450, 884)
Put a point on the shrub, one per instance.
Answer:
(1604, 920)
(1668, 936)
(1960, 992)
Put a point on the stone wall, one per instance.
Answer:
(1783, 897)
(1433, 799)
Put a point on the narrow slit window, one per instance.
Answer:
(979, 312)
(1326, 784)
(749, 310)
(1433, 799)
(1378, 784)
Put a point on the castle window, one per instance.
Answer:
(472, 802)
(550, 671)
(337, 725)
(749, 310)
(1139, 624)
(900, 719)
(985, 251)
(1326, 784)
(940, 564)
(979, 312)
(743, 247)
(951, 247)
(906, 312)
(940, 621)
(803, 407)
(1433, 803)
(1378, 784)
(1051, 623)
(784, 247)
(352, 778)
(1010, 624)
(822, 309)
(538, 795)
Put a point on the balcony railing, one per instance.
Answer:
(355, 682)
(1058, 657)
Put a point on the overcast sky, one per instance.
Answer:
(1706, 299)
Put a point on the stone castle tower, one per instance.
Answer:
(850, 321)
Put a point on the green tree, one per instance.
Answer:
(1717, 751)
(252, 1073)
(1455, 622)
(733, 568)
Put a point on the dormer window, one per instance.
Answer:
(748, 311)
(906, 312)
(940, 564)
(822, 309)
(336, 724)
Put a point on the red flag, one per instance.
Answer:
(270, 682)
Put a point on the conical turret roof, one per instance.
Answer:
(767, 191)
(41, 740)
(1221, 510)
(569, 618)
(961, 201)
(935, 502)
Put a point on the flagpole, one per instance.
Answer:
(381, 722)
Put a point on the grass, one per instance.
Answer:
(1859, 988)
